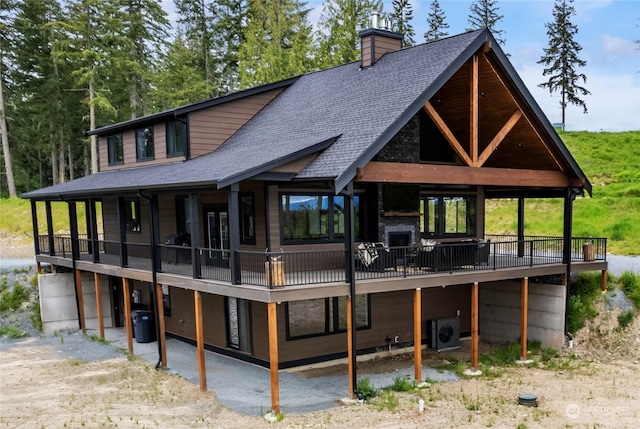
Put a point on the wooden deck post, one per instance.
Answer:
(161, 327)
(603, 281)
(83, 325)
(202, 370)
(96, 281)
(352, 387)
(273, 357)
(474, 326)
(127, 313)
(524, 315)
(417, 334)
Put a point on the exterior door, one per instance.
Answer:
(217, 236)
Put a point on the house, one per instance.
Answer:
(332, 214)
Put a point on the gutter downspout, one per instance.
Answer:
(154, 276)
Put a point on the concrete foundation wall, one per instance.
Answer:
(58, 302)
(499, 312)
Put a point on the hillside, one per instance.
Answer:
(610, 161)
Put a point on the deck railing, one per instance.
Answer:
(277, 269)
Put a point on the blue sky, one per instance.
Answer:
(607, 30)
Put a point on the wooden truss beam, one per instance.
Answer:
(394, 172)
(474, 118)
(499, 137)
(446, 132)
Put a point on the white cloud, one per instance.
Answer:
(618, 46)
(614, 103)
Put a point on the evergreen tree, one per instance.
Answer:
(484, 14)
(401, 16)
(6, 28)
(561, 58)
(436, 23)
(277, 42)
(229, 30)
(339, 25)
(178, 79)
(197, 19)
(144, 32)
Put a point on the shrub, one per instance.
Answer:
(35, 316)
(630, 284)
(11, 300)
(625, 319)
(366, 389)
(402, 384)
(584, 291)
(387, 401)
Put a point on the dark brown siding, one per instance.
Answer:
(209, 128)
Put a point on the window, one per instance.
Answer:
(434, 147)
(144, 143)
(324, 316)
(176, 137)
(247, 219)
(183, 215)
(448, 216)
(315, 217)
(132, 215)
(114, 149)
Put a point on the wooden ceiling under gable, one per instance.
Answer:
(486, 123)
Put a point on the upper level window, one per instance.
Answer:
(176, 138)
(315, 217)
(114, 149)
(144, 143)
(448, 216)
(433, 145)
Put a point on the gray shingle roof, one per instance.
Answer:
(346, 113)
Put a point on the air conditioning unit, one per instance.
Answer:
(443, 334)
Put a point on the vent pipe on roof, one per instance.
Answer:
(374, 19)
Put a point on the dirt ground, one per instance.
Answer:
(595, 384)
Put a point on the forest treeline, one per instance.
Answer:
(68, 66)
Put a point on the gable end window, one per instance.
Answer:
(176, 138)
(144, 144)
(114, 150)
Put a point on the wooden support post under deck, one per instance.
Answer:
(38, 268)
(127, 313)
(352, 387)
(96, 280)
(202, 369)
(474, 326)
(603, 281)
(161, 327)
(524, 316)
(273, 356)
(83, 325)
(417, 334)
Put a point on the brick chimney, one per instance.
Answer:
(375, 42)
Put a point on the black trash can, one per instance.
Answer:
(144, 326)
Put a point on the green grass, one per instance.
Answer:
(11, 300)
(609, 161)
(630, 284)
(583, 294)
(12, 332)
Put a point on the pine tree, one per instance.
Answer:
(401, 16)
(277, 42)
(6, 28)
(197, 20)
(178, 79)
(436, 22)
(484, 14)
(561, 58)
(228, 27)
(339, 25)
